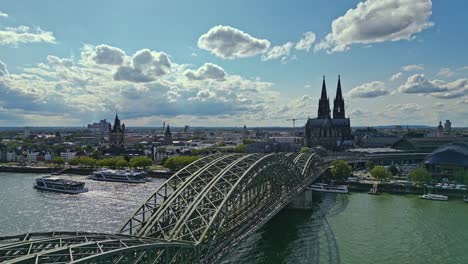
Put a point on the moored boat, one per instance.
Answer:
(322, 187)
(465, 199)
(48, 183)
(119, 176)
(435, 197)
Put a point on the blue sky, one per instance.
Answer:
(229, 63)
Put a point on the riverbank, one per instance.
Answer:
(73, 170)
(403, 189)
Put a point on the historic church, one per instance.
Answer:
(330, 133)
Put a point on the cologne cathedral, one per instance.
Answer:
(332, 133)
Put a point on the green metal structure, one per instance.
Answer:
(196, 216)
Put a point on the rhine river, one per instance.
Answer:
(357, 228)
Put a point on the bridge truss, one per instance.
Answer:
(195, 216)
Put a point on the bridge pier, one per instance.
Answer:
(302, 201)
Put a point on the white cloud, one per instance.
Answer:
(413, 67)
(369, 90)
(278, 52)
(207, 71)
(104, 54)
(229, 43)
(396, 76)
(308, 38)
(23, 34)
(5, 15)
(418, 84)
(374, 21)
(410, 108)
(445, 72)
(145, 66)
(3, 69)
(154, 88)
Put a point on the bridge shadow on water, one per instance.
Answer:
(295, 236)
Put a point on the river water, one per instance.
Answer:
(357, 228)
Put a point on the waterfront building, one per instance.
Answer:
(332, 133)
(116, 134)
(445, 161)
(68, 155)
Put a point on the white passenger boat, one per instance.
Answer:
(436, 197)
(465, 199)
(322, 187)
(51, 184)
(119, 176)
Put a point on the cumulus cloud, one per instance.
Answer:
(23, 34)
(145, 66)
(278, 52)
(229, 43)
(418, 84)
(396, 76)
(56, 61)
(84, 90)
(5, 15)
(445, 72)
(369, 90)
(308, 38)
(413, 67)
(207, 71)
(374, 21)
(104, 54)
(455, 89)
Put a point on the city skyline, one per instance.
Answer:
(210, 64)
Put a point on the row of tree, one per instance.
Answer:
(114, 162)
(420, 176)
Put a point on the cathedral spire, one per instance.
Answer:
(324, 103)
(338, 103)
(324, 90)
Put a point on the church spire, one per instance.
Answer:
(324, 90)
(324, 103)
(338, 103)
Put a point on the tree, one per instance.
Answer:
(380, 173)
(461, 176)
(420, 176)
(96, 155)
(340, 169)
(304, 150)
(140, 162)
(59, 161)
(393, 170)
(240, 148)
(121, 164)
(178, 162)
(370, 164)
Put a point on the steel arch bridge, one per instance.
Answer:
(193, 217)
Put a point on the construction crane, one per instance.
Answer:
(294, 121)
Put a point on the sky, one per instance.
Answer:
(230, 63)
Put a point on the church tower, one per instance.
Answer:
(324, 103)
(338, 103)
(117, 134)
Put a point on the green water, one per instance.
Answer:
(357, 228)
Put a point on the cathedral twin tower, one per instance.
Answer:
(331, 133)
(324, 103)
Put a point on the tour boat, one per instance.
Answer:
(48, 183)
(322, 187)
(436, 197)
(374, 190)
(465, 199)
(119, 176)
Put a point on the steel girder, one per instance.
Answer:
(94, 248)
(145, 211)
